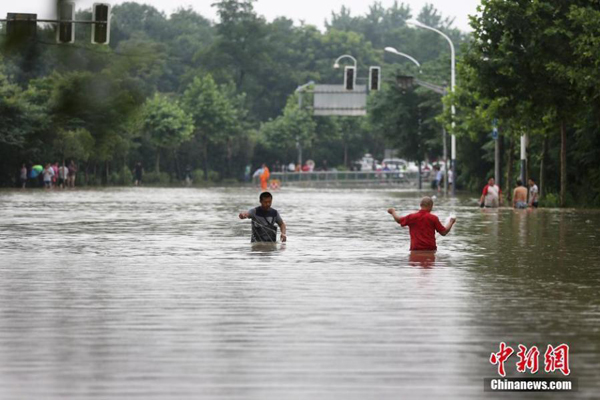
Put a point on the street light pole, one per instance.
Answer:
(394, 51)
(452, 84)
(300, 90)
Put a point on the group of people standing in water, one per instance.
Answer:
(491, 196)
(51, 176)
(422, 224)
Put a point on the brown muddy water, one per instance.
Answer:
(157, 294)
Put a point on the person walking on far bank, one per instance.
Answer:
(423, 225)
(48, 173)
(72, 174)
(264, 177)
(139, 173)
(23, 176)
(63, 176)
(439, 178)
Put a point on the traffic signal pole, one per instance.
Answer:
(100, 23)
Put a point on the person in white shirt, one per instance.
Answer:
(491, 196)
(533, 194)
(63, 174)
(48, 173)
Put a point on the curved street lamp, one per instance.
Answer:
(300, 90)
(452, 83)
(336, 64)
(394, 51)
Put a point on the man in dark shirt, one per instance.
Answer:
(423, 225)
(264, 219)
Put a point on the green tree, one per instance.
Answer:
(166, 124)
(75, 144)
(213, 115)
(520, 53)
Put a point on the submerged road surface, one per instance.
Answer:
(157, 294)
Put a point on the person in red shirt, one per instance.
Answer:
(423, 225)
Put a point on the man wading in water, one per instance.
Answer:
(423, 225)
(264, 219)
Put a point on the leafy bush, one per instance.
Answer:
(125, 177)
(198, 176)
(161, 178)
(550, 200)
(214, 176)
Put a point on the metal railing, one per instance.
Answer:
(350, 178)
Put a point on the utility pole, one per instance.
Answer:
(496, 151)
(523, 158)
(300, 90)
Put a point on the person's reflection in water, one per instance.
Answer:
(265, 248)
(423, 259)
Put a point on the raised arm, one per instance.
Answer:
(244, 215)
(448, 227)
(392, 212)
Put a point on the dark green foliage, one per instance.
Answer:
(190, 94)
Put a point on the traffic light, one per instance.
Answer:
(349, 78)
(374, 78)
(21, 27)
(66, 30)
(101, 26)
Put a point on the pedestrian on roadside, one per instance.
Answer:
(48, 174)
(139, 173)
(55, 176)
(72, 174)
(23, 176)
(63, 175)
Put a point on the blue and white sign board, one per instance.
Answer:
(495, 129)
(495, 133)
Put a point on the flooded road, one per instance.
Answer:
(158, 294)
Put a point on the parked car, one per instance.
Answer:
(367, 163)
(395, 164)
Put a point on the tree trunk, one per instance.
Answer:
(205, 153)
(177, 164)
(563, 164)
(346, 153)
(157, 166)
(543, 165)
(229, 157)
(509, 165)
(107, 173)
